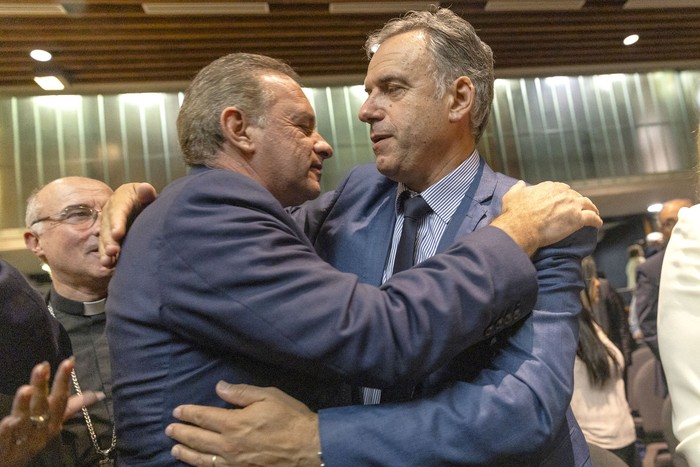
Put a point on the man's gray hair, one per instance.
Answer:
(456, 50)
(33, 209)
(230, 81)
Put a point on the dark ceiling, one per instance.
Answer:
(103, 45)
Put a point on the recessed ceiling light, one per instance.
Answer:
(349, 8)
(631, 39)
(206, 8)
(533, 5)
(35, 9)
(656, 207)
(50, 83)
(40, 55)
(632, 4)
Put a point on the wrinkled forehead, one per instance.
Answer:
(285, 96)
(59, 194)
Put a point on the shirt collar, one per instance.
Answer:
(440, 196)
(77, 308)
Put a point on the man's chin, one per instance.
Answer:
(385, 167)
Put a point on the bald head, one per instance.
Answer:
(63, 231)
(668, 216)
(49, 196)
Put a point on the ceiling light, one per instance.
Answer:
(538, 5)
(34, 9)
(51, 82)
(655, 207)
(631, 39)
(632, 4)
(351, 8)
(40, 55)
(207, 8)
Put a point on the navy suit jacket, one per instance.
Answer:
(216, 281)
(502, 403)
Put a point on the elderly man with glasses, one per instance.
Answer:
(63, 233)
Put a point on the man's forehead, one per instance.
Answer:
(671, 209)
(395, 57)
(65, 193)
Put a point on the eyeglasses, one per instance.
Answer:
(73, 215)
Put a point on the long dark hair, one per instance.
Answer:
(591, 350)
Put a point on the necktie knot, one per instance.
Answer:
(415, 208)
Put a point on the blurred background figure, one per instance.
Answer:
(646, 293)
(599, 402)
(30, 416)
(635, 257)
(654, 242)
(608, 309)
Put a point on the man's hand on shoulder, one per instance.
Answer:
(126, 203)
(543, 214)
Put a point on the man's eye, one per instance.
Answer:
(77, 214)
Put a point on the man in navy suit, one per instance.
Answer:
(430, 87)
(217, 281)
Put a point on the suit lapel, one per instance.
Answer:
(473, 211)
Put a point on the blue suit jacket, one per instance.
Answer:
(502, 403)
(216, 281)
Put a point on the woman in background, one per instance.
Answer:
(679, 328)
(599, 401)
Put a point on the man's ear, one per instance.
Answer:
(31, 240)
(235, 127)
(463, 94)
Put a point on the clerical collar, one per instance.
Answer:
(77, 308)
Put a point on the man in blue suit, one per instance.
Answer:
(217, 281)
(430, 87)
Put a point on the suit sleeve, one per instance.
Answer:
(248, 284)
(511, 407)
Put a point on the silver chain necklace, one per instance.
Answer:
(106, 460)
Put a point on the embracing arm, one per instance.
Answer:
(510, 409)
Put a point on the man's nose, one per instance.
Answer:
(323, 148)
(369, 110)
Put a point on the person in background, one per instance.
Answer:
(653, 243)
(599, 402)
(635, 257)
(646, 294)
(36, 418)
(62, 231)
(608, 310)
(30, 416)
(430, 87)
(679, 328)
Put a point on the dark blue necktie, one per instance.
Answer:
(415, 209)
